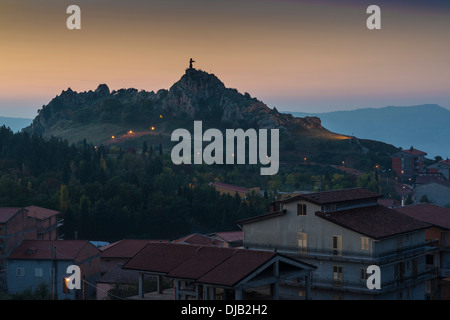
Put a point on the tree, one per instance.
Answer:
(64, 201)
(425, 199)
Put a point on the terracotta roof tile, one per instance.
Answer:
(334, 196)
(375, 221)
(237, 267)
(125, 248)
(42, 249)
(205, 264)
(40, 213)
(429, 213)
(7, 213)
(200, 240)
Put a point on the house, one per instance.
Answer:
(36, 261)
(439, 218)
(224, 188)
(46, 222)
(342, 233)
(200, 239)
(208, 272)
(438, 192)
(408, 163)
(232, 239)
(441, 167)
(113, 257)
(14, 228)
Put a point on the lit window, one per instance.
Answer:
(365, 243)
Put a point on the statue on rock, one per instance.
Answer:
(190, 64)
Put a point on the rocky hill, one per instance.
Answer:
(129, 117)
(198, 95)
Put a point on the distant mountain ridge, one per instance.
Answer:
(15, 124)
(426, 127)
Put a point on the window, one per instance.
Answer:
(20, 272)
(363, 274)
(337, 245)
(337, 276)
(365, 243)
(301, 209)
(302, 242)
(38, 272)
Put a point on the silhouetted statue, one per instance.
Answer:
(190, 63)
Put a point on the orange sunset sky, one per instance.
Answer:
(310, 56)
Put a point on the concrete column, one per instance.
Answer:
(177, 289)
(159, 284)
(238, 294)
(308, 287)
(141, 284)
(276, 285)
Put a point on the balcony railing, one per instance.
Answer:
(350, 255)
(360, 286)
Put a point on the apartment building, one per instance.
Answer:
(342, 233)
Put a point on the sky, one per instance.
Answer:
(295, 55)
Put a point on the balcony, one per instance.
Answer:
(360, 286)
(348, 255)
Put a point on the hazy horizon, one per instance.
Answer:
(294, 55)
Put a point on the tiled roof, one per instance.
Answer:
(238, 266)
(204, 264)
(231, 235)
(200, 240)
(229, 187)
(335, 196)
(446, 162)
(7, 213)
(429, 213)
(414, 152)
(40, 213)
(376, 222)
(43, 249)
(125, 248)
(429, 178)
(389, 202)
(118, 275)
(265, 216)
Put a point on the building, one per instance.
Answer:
(208, 272)
(442, 167)
(35, 262)
(113, 257)
(342, 233)
(408, 163)
(224, 188)
(232, 239)
(46, 222)
(439, 218)
(438, 192)
(15, 226)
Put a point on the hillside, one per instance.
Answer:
(425, 126)
(129, 117)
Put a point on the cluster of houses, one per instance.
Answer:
(316, 245)
(429, 183)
